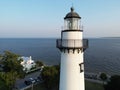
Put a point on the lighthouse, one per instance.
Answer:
(72, 47)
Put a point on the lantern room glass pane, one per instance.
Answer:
(71, 24)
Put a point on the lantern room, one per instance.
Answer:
(72, 20)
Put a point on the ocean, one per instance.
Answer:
(103, 54)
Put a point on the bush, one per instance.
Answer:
(50, 76)
(113, 84)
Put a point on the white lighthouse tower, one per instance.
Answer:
(72, 47)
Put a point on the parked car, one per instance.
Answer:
(29, 81)
(40, 78)
(37, 80)
(32, 80)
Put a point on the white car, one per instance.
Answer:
(32, 80)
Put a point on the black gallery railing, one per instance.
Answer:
(72, 43)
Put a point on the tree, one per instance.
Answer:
(39, 63)
(12, 63)
(9, 79)
(50, 76)
(12, 68)
(3, 85)
(113, 84)
(103, 77)
(0, 57)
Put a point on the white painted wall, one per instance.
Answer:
(70, 76)
(72, 35)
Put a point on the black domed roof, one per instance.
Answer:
(72, 14)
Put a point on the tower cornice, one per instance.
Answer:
(72, 30)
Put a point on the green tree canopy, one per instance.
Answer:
(9, 78)
(103, 77)
(12, 68)
(50, 76)
(3, 85)
(11, 62)
(39, 63)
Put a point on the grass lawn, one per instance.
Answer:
(93, 86)
(89, 86)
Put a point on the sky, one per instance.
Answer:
(45, 18)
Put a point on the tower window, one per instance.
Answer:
(81, 67)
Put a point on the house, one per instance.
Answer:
(27, 63)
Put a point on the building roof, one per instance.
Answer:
(25, 58)
(72, 14)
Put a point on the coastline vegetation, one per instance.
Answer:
(88, 86)
(12, 69)
(50, 76)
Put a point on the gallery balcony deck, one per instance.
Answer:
(72, 43)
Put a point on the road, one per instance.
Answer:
(21, 85)
(20, 82)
